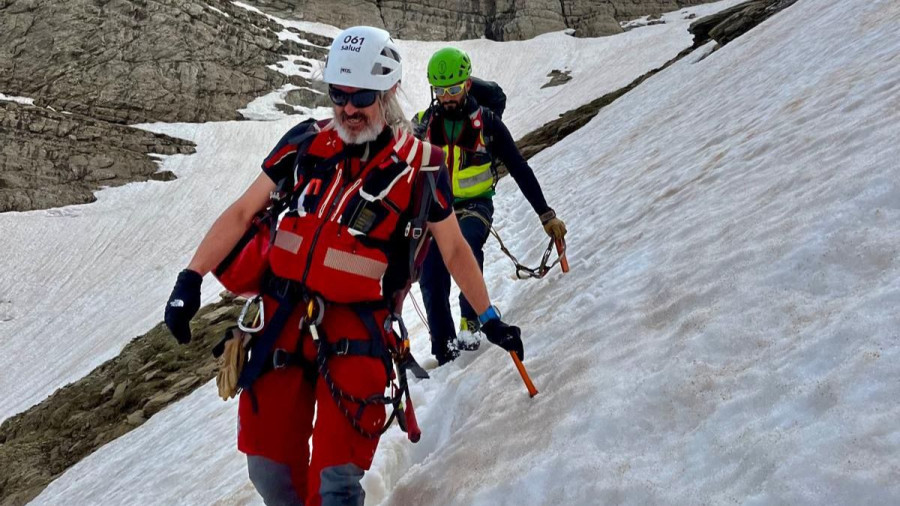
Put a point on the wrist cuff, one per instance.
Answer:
(189, 276)
(492, 313)
(549, 215)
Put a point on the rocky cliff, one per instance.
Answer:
(92, 66)
(472, 19)
(48, 158)
(131, 61)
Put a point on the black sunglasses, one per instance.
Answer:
(360, 99)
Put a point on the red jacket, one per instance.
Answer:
(342, 226)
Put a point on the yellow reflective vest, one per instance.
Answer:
(471, 165)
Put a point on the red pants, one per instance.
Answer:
(281, 427)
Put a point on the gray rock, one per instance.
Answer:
(471, 19)
(558, 77)
(36, 445)
(163, 175)
(107, 389)
(186, 384)
(136, 418)
(147, 366)
(140, 60)
(288, 109)
(119, 394)
(48, 159)
(157, 402)
(308, 97)
(219, 315)
(729, 24)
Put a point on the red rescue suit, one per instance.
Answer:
(336, 241)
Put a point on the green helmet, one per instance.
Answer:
(449, 66)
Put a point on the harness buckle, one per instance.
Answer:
(414, 232)
(342, 347)
(315, 310)
(280, 358)
(283, 289)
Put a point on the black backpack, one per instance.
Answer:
(489, 94)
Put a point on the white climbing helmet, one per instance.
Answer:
(363, 57)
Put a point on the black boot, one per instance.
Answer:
(445, 350)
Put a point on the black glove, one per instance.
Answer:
(508, 337)
(183, 305)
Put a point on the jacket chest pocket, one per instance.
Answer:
(374, 209)
(315, 189)
(478, 157)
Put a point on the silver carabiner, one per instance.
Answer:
(261, 315)
(389, 325)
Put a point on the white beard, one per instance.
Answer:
(368, 134)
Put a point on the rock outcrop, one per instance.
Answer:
(152, 372)
(472, 19)
(49, 159)
(729, 24)
(133, 61)
(92, 66)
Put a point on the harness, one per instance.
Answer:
(404, 247)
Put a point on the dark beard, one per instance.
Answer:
(456, 112)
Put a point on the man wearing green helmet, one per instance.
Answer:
(474, 140)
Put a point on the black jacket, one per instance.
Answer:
(499, 142)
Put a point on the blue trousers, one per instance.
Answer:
(435, 280)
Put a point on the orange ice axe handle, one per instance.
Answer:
(522, 372)
(561, 251)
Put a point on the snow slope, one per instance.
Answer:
(97, 275)
(729, 330)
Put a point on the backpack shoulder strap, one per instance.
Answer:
(422, 123)
(488, 119)
(286, 187)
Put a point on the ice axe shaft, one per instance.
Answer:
(561, 251)
(412, 426)
(408, 421)
(522, 372)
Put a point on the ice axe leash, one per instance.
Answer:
(523, 272)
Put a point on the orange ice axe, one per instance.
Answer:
(522, 372)
(561, 251)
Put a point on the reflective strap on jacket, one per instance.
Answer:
(288, 241)
(354, 264)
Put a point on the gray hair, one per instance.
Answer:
(392, 113)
